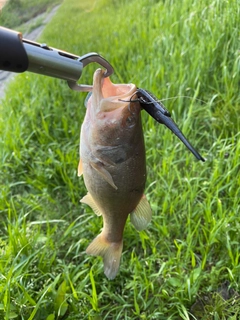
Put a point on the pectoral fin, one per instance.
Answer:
(142, 215)
(88, 199)
(80, 168)
(99, 167)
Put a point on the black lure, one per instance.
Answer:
(157, 110)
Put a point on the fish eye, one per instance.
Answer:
(87, 98)
(129, 121)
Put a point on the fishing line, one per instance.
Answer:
(165, 99)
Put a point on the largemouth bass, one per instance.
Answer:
(112, 161)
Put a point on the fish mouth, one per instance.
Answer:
(107, 95)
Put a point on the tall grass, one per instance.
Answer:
(17, 12)
(186, 264)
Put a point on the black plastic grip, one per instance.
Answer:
(13, 56)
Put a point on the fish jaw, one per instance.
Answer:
(106, 95)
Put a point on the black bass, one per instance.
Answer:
(112, 161)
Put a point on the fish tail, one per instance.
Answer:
(110, 252)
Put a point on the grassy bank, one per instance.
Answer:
(17, 12)
(186, 264)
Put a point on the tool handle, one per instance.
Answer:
(13, 56)
(19, 55)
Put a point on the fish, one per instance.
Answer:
(113, 165)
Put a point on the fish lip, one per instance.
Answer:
(98, 80)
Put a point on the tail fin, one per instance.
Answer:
(110, 252)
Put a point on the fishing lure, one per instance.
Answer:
(157, 110)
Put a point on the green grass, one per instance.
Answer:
(186, 264)
(17, 12)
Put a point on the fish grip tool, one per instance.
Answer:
(19, 55)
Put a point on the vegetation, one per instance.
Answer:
(17, 12)
(186, 264)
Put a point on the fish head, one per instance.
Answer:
(112, 111)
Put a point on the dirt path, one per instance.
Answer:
(2, 3)
(6, 77)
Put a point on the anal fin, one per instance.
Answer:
(110, 252)
(88, 199)
(99, 167)
(142, 214)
